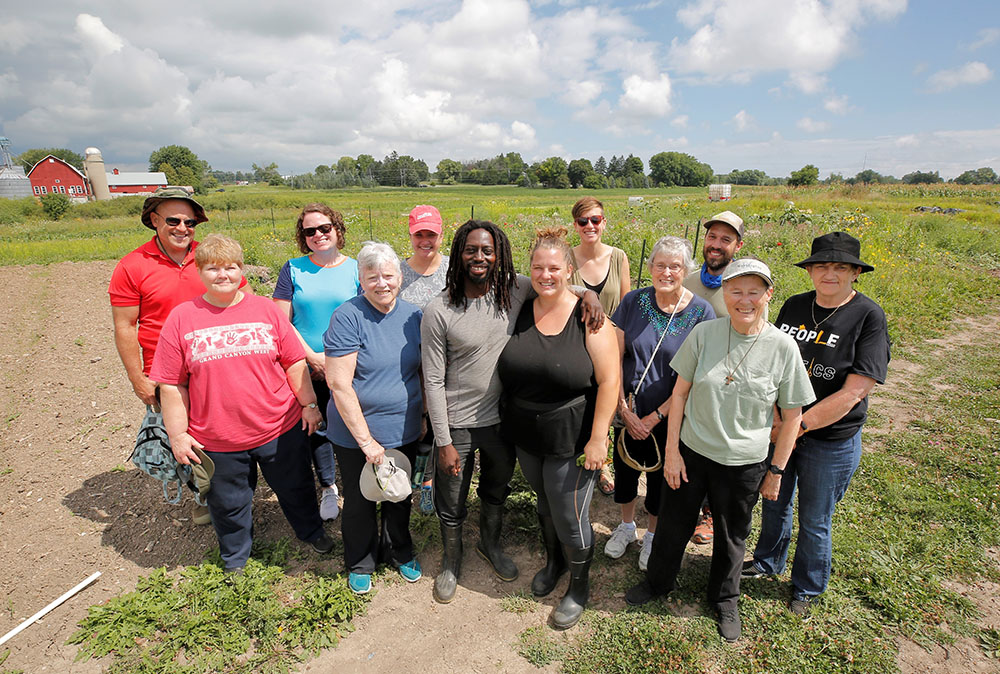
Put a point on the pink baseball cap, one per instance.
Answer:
(425, 217)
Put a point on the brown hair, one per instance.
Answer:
(218, 249)
(554, 238)
(585, 204)
(335, 217)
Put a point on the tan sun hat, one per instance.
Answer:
(201, 474)
(387, 481)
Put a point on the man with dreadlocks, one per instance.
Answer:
(463, 331)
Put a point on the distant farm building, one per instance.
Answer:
(53, 175)
(122, 184)
(13, 183)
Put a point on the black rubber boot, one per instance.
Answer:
(555, 564)
(490, 525)
(451, 564)
(571, 607)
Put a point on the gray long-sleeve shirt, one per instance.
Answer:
(459, 351)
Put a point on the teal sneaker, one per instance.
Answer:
(426, 500)
(360, 583)
(410, 571)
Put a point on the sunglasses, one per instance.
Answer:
(594, 220)
(173, 222)
(311, 231)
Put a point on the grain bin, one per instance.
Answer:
(13, 183)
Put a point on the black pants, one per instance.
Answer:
(359, 519)
(284, 462)
(627, 478)
(496, 467)
(732, 494)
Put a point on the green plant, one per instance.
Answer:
(537, 646)
(55, 205)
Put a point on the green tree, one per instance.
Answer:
(867, 177)
(616, 167)
(365, 164)
(55, 205)
(347, 164)
(268, 174)
(746, 177)
(171, 173)
(981, 176)
(578, 170)
(922, 178)
(601, 166)
(633, 166)
(593, 181)
(679, 169)
(322, 169)
(449, 171)
(178, 157)
(807, 175)
(29, 158)
(552, 172)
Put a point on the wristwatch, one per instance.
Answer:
(774, 469)
(659, 416)
(311, 406)
(803, 425)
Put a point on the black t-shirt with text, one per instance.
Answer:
(854, 339)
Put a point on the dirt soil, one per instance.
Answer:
(72, 504)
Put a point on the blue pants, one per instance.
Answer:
(821, 471)
(564, 492)
(322, 450)
(284, 462)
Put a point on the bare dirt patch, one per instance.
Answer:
(71, 504)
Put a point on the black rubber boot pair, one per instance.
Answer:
(555, 563)
(575, 600)
(451, 564)
(490, 525)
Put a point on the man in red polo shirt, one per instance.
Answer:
(149, 282)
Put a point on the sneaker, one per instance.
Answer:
(752, 570)
(800, 607)
(703, 533)
(322, 544)
(647, 547)
(729, 624)
(360, 583)
(621, 537)
(328, 506)
(199, 515)
(410, 571)
(426, 500)
(640, 594)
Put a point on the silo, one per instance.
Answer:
(13, 183)
(93, 167)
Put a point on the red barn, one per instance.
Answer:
(55, 176)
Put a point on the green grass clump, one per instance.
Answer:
(207, 621)
(539, 646)
(638, 642)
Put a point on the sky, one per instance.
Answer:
(891, 85)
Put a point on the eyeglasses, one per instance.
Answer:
(660, 267)
(174, 222)
(311, 231)
(594, 220)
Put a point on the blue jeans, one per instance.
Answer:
(821, 470)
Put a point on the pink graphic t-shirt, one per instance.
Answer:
(233, 362)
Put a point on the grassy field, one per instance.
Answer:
(922, 509)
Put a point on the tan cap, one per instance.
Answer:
(727, 218)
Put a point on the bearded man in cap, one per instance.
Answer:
(149, 282)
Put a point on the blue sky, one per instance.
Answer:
(893, 85)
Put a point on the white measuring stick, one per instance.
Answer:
(14, 632)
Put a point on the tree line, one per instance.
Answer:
(666, 169)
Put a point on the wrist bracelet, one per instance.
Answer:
(362, 446)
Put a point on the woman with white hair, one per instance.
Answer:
(651, 324)
(373, 369)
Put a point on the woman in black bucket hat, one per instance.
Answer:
(844, 342)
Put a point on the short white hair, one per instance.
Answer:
(673, 246)
(375, 255)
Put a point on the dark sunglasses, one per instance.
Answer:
(173, 222)
(594, 220)
(311, 231)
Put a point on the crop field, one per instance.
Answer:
(916, 540)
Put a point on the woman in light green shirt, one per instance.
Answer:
(731, 372)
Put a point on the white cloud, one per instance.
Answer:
(972, 73)
(731, 37)
(838, 105)
(743, 121)
(645, 97)
(96, 35)
(14, 35)
(680, 121)
(582, 92)
(807, 82)
(987, 36)
(810, 125)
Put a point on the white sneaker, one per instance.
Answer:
(647, 547)
(328, 506)
(620, 539)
